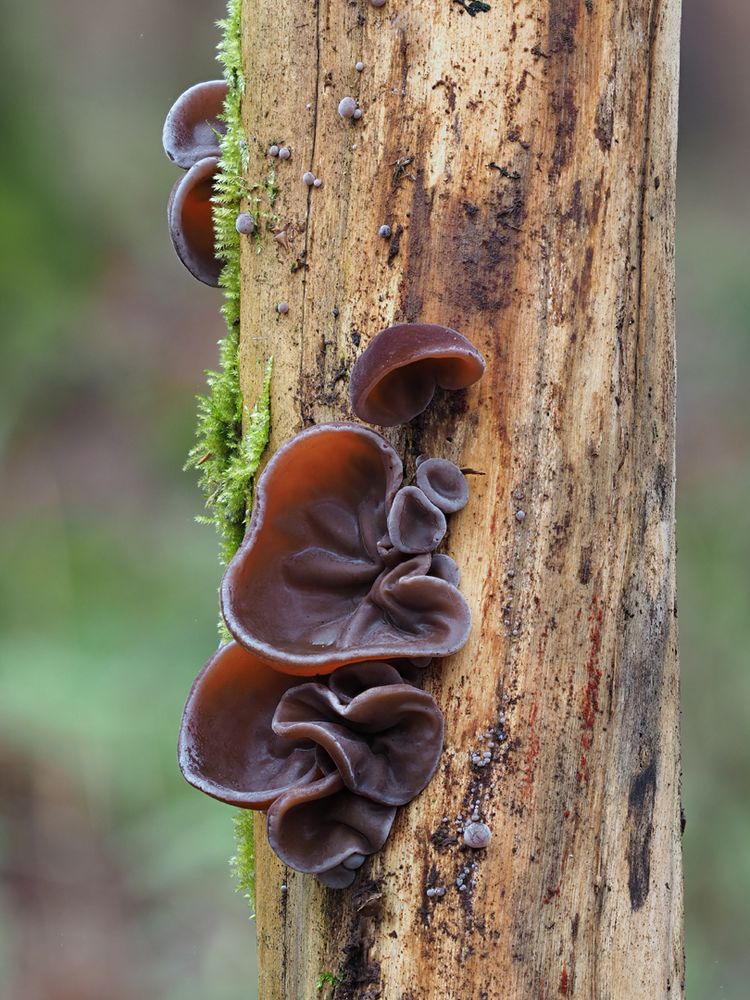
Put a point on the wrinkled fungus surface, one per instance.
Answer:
(395, 378)
(193, 125)
(319, 581)
(329, 759)
(191, 224)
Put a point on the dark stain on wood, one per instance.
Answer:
(584, 567)
(605, 121)
(641, 815)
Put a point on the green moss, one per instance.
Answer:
(230, 440)
(225, 459)
(243, 862)
(327, 979)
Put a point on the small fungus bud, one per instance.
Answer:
(273, 150)
(282, 308)
(477, 835)
(378, 3)
(245, 224)
(284, 153)
(347, 107)
(357, 114)
(317, 182)
(520, 515)
(359, 66)
(309, 178)
(385, 232)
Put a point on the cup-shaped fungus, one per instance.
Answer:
(443, 483)
(395, 378)
(193, 126)
(329, 759)
(191, 225)
(415, 524)
(317, 581)
(227, 746)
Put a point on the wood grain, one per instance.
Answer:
(525, 160)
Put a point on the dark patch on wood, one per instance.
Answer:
(444, 837)
(358, 976)
(474, 7)
(588, 260)
(483, 246)
(575, 213)
(395, 244)
(584, 568)
(565, 112)
(561, 42)
(367, 899)
(641, 815)
(563, 21)
(512, 175)
(605, 121)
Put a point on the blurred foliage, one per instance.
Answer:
(114, 875)
(713, 532)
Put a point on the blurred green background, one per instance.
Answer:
(113, 877)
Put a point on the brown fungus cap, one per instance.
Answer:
(317, 582)
(395, 378)
(383, 736)
(227, 747)
(415, 524)
(317, 828)
(443, 483)
(190, 217)
(193, 126)
(446, 568)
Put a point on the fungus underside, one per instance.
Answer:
(226, 459)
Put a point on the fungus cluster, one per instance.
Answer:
(329, 759)
(337, 563)
(191, 135)
(337, 596)
(334, 598)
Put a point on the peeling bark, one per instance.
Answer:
(524, 158)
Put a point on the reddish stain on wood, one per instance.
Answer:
(564, 982)
(590, 694)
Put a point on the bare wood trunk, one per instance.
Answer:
(525, 159)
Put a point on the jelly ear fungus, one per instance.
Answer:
(320, 581)
(190, 218)
(395, 378)
(329, 759)
(193, 124)
(191, 139)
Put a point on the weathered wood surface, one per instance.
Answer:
(525, 158)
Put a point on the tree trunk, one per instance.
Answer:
(524, 156)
